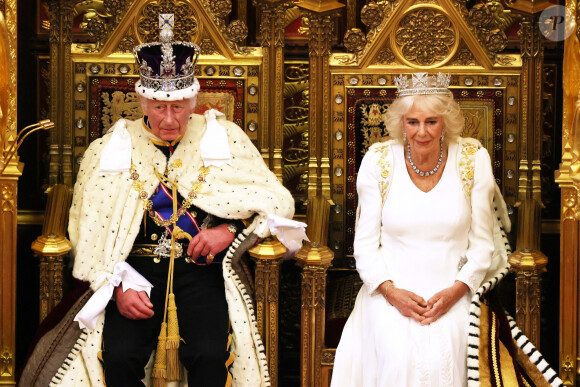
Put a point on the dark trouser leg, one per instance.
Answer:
(128, 344)
(203, 323)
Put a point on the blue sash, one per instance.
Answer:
(162, 208)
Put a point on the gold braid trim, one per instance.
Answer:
(467, 166)
(385, 166)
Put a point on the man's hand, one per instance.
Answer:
(210, 241)
(133, 304)
(407, 303)
(442, 301)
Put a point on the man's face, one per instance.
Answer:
(168, 119)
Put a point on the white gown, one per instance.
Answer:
(417, 244)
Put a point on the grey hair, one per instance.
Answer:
(438, 104)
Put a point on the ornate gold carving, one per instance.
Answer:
(490, 20)
(375, 15)
(385, 56)
(296, 115)
(463, 57)
(207, 45)
(504, 60)
(6, 364)
(567, 371)
(100, 17)
(268, 256)
(425, 36)
(528, 291)
(51, 283)
(127, 44)
(186, 24)
(569, 204)
(355, 40)
(10, 18)
(372, 15)
(235, 32)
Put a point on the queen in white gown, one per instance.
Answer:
(421, 248)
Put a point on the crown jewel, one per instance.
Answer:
(423, 83)
(167, 66)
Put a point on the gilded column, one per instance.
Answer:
(268, 256)
(321, 16)
(272, 26)
(568, 178)
(11, 171)
(315, 259)
(52, 247)
(60, 148)
(528, 261)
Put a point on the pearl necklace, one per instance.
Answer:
(417, 170)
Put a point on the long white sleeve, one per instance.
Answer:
(480, 237)
(367, 239)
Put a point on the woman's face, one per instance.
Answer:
(423, 131)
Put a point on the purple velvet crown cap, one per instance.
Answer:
(152, 55)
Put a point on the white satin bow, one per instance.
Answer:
(123, 272)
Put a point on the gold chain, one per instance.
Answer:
(139, 186)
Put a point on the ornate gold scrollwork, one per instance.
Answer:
(100, 17)
(425, 36)
(490, 20)
(374, 15)
(236, 32)
(296, 116)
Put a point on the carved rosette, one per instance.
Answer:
(385, 56)
(425, 36)
(372, 15)
(355, 40)
(220, 8)
(126, 44)
(464, 57)
(186, 25)
(237, 31)
(234, 33)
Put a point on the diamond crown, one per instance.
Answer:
(423, 83)
(162, 72)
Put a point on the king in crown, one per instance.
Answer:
(166, 68)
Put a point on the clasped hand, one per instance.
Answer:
(414, 306)
(136, 305)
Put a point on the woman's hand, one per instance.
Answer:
(210, 241)
(442, 301)
(407, 303)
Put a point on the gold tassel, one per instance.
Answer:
(173, 365)
(159, 373)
